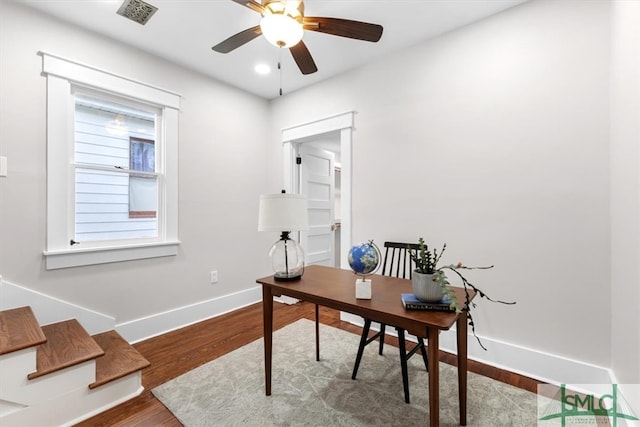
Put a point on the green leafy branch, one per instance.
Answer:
(427, 263)
(469, 303)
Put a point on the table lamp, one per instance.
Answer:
(284, 213)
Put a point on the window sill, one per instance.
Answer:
(104, 255)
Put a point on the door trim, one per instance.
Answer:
(297, 134)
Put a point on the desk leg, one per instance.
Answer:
(461, 329)
(434, 376)
(317, 333)
(267, 322)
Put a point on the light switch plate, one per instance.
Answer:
(3, 166)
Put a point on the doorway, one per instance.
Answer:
(316, 160)
(333, 135)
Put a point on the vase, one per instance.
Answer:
(425, 288)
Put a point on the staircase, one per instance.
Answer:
(58, 375)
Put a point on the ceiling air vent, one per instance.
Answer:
(137, 11)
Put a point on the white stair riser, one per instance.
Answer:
(76, 405)
(14, 368)
(18, 389)
(8, 407)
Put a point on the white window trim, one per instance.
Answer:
(61, 75)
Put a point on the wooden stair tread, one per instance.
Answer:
(120, 358)
(19, 329)
(68, 344)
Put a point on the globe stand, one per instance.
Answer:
(363, 288)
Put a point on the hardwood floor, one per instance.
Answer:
(177, 352)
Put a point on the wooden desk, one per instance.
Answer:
(335, 288)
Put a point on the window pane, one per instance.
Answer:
(143, 197)
(102, 206)
(142, 155)
(143, 192)
(103, 129)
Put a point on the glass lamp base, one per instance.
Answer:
(287, 259)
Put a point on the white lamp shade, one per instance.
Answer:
(283, 212)
(281, 30)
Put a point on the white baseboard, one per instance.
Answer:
(532, 363)
(48, 309)
(542, 366)
(286, 300)
(160, 323)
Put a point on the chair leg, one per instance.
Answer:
(381, 338)
(423, 350)
(403, 363)
(363, 343)
(317, 333)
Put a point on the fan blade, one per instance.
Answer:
(238, 40)
(255, 6)
(344, 28)
(303, 58)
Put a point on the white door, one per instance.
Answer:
(317, 183)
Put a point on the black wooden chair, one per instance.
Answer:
(397, 263)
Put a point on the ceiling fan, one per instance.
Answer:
(283, 24)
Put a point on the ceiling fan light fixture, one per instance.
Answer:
(281, 30)
(283, 24)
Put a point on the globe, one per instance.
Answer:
(364, 258)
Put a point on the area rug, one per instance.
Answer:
(229, 391)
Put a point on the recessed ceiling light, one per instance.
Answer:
(262, 69)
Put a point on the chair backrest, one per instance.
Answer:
(397, 261)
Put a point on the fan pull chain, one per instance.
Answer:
(280, 71)
(280, 68)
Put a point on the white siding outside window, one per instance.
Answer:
(111, 167)
(112, 136)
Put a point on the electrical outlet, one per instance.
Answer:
(214, 277)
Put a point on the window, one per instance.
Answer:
(111, 167)
(116, 182)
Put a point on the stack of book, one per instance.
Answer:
(410, 302)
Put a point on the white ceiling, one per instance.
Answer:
(183, 31)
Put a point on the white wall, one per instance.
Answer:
(625, 193)
(221, 165)
(493, 139)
